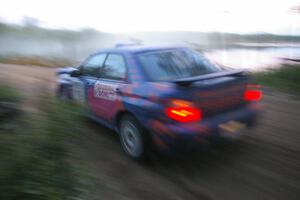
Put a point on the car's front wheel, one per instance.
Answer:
(132, 137)
(63, 93)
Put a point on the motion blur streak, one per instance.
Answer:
(196, 149)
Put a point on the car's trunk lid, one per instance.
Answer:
(215, 93)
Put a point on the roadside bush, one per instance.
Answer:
(287, 78)
(36, 159)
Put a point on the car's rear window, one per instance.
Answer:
(174, 64)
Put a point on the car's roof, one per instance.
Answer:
(138, 49)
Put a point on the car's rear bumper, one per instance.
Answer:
(170, 137)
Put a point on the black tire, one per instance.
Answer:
(62, 93)
(133, 138)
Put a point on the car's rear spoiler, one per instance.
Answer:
(190, 80)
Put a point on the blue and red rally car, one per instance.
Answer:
(170, 98)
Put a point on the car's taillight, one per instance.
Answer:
(253, 93)
(183, 111)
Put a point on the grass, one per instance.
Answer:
(9, 100)
(37, 160)
(8, 94)
(287, 78)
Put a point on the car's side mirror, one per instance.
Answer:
(75, 73)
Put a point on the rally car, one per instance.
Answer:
(167, 98)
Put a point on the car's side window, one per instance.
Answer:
(92, 66)
(114, 67)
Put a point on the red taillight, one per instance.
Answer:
(253, 92)
(252, 95)
(183, 111)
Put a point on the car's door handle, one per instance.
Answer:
(118, 91)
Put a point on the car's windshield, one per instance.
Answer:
(174, 64)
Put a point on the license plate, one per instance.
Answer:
(230, 127)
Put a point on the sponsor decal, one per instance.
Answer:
(105, 91)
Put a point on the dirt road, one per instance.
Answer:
(264, 164)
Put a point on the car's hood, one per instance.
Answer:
(65, 70)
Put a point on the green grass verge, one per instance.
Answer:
(286, 78)
(8, 94)
(36, 158)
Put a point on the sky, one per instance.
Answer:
(131, 16)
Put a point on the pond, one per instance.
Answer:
(254, 59)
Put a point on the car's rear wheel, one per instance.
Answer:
(132, 137)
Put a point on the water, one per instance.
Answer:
(254, 59)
